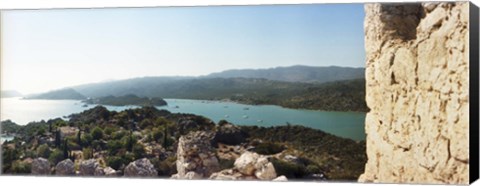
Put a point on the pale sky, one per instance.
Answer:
(52, 49)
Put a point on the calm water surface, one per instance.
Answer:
(344, 124)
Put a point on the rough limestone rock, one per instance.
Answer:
(140, 168)
(417, 61)
(110, 172)
(65, 168)
(40, 166)
(246, 163)
(89, 167)
(196, 154)
(280, 178)
(264, 169)
(249, 166)
(99, 172)
(229, 134)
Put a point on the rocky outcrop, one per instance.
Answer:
(140, 168)
(196, 156)
(65, 168)
(89, 167)
(229, 134)
(249, 166)
(417, 91)
(110, 172)
(40, 166)
(280, 178)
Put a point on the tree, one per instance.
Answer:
(57, 138)
(79, 137)
(165, 137)
(129, 142)
(65, 149)
(97, 133)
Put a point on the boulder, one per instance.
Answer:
(280, 178)
(246, 163)
(65, 168)
(193, 175)
(265, 170)
(99, 172)
(227, 174)
(229, 134)
(40, 166)
(88, 167)
(249, 166)
(110, 172)
(140, 168)
(196, 154)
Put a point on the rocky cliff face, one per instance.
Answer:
(417, 90)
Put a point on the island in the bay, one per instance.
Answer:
(150, 142)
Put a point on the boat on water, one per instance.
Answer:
(227, 116)
(245, 117)
(246, 108)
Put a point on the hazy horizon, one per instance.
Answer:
(50, 49)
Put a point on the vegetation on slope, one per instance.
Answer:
(117, 138)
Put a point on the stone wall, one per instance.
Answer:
(417, 90)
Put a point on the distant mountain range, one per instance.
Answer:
(298, 73)
(66, 93)
(342, 88)
(10, 93)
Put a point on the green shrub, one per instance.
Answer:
(43, 151)
(115, 162)
(161, 121)
(288, 169)
(157, 135)
(312, 169)
(87, 153)
(41, 132)
(146, 124)
(268, 148)
(113, 147)
(97, 133)
(20, 167)
(226, 163)
(127, 158)
(119, 135)
(87, 139)
(109, 131)
(166, 167)
(138, 151)
(56, 156)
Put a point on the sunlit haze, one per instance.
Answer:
(50, 49)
